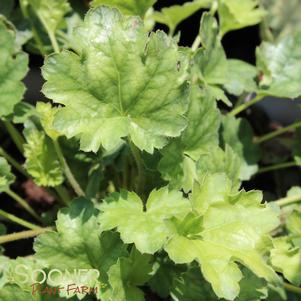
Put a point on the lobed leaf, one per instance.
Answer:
(236, 14)
(145, 228)
(173, 15)
(13, 68)
(280, 66)
(122, 84)
(42, 162)
(6, 176)
(129, 7)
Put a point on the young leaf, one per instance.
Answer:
(281, 67)
(217, 160)
(238, 133)
(172, 16)
(13, 68)
(6, 176)
(128, 7)
(282, 18)
(42, 162)
(286, 254)
(234, 229)
(210, 62)
(178, 163)
(145, 228)
(236, 14)
(51, 13)
(123, 83)
(46, 115)
(79, 244)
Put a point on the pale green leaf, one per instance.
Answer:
(286, 258)
(42, 162)
(217, 160)
(6, 176)
(234, 229)
(145, 228)
(239, 134)
(286, 254)
(282, 18)
(240, 77)
(178, 163)
(123, 83)
(281, 67)
(129, 7)
(13, 68)
(173, 15)
(46, 115)
(236, 14)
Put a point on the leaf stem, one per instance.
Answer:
(246, 105)
(23, 235)
(13, 162)
(63, 194)
(53, 41)
(288, 200)
(292, 288)
(278, 132)
(70, 177)
(196, 43)
(139, 163)
(33, 29)
(18, 220)
(15, 135)
(24, 204)
(276, 167)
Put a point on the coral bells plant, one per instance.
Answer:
(139, 176)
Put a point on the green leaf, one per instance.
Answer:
(238, 133)
(280, 66)
(211, 58)
(286, 258)
(128, 7)
(123, 83)
(127, 274)
(282, 18)
(217, 160)
(6, 176)
(173, 15)
(210, 62)
(286, 254)
(13, 68)
(240, 77)
(51, 14)
(235, 228)
(236, 14)
(13, 292)
(145, 228)
(178, 163)
(252, 288)
(42, 162)
(79, 244)
(46, 115)
(191, 286)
